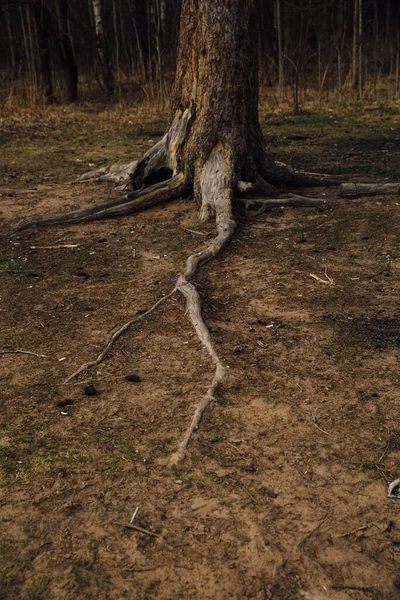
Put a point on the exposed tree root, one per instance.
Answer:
(131, 203)
(160, 156)
(215, 185)
(217, 194)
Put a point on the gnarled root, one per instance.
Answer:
(160, 156)
(133, 202)
(217, 195)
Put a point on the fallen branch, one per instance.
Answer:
(57, 247)
(329, 282)
(115, 337)
(290, 200)
(23, 352)
(352, 587)
(349, 190)
(137, 528)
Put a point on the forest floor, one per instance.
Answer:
(283, 494)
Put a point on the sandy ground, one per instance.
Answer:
(283, 494)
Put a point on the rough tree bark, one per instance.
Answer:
(214, 150)
(103, 50)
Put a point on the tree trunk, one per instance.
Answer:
(215, 99)
(66, 51)
(102, 47)
(354, 58)
(214, 148)
(280, 51)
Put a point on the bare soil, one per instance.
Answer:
(284, 492)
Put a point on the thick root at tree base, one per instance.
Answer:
(134, 202)
(217, 195)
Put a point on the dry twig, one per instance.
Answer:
(115, 337)
(23, 352)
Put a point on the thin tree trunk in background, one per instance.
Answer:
(26, 48)
(360, 51)
(117, 65)
(354, 62)
(339, 29)
(102, 48)
(31, 46)
(158, 36)
(389, 38)
(319, 72)
(396, 94)
(137, 37)
(11, 44)
(44, 32)
(376, 42)
(280, 50)
(66, 51)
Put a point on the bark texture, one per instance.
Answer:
(217, 75)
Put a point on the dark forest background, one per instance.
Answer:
(122, 50)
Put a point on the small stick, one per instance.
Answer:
(352, 587)
(197, 232)
(320, 280)
(23, 352)
(115, 337)
(349, 533)
(137, 528)
(134, 514)
(316, 424)
(311, 533)
(327, 276)
(142, 530)
(244, 488)
(54, 247)
(234, 447)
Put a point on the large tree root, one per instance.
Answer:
(133, 202)
(217, 195)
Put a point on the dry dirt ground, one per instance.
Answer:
(284, 492)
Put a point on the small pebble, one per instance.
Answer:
(134, 378)
(90, 390)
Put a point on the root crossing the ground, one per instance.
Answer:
(215, 183)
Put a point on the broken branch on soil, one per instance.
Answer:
(351, 190)
(352, 587)
(329, 282)
(142, 530)
(115, 337)
(137, 528)
(54, 247)
(23, 352)
(154, 195)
